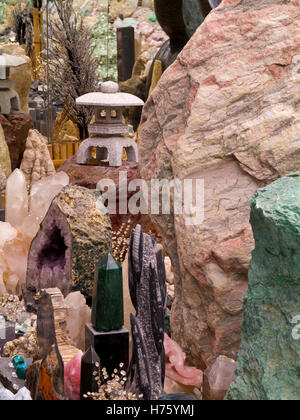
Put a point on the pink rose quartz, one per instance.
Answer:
(175, 368)
(72, 377)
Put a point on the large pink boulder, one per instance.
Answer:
(227, 111)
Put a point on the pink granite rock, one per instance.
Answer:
(72, 377)
(175, 365)
(226, 112)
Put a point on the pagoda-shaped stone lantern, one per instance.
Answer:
(9, 99)
(108, 129)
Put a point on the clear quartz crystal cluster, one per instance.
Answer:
(23, 217)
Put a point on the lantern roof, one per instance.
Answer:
(7, 60)
(109, 97)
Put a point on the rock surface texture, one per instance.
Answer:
(73, 237)
(268, 361)
(226, 112)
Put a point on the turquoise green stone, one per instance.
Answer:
(268, 365)
(17, 360)
(21, 370)
(153, 18)
(107, 308)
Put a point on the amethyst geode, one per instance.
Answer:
(73, 238)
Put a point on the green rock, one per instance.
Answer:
(21, 370)
(153, 18)
(107, 309)
(268, 361)
(17, 360)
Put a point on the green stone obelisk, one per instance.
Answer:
(107, 309)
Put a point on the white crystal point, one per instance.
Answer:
(109, 87)
(16, 199)
(43, 192)
(7, 233)
(78, 315)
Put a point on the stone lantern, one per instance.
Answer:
(9, 99)
(108, 129)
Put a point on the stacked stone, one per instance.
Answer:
(108, 128)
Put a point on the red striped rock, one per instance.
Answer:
(227, 111)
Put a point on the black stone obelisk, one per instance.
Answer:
(89, 363)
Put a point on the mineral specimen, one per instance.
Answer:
(107, 309)
(41, 195)
(36, 163)
(147, 284)
(217, 378)
(236, 133)
(52, 325)
(74, 235)
(8, 376)
(11, 307)
(175, 365)
(268, 360)
(72, 377)
(16, 199)
(45, 378)
(22, 395)
(21, 370)
(89, 363)
(25, 346)
(46, 328)
(15, 242)
(78, 314)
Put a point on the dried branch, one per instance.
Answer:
(72, 65)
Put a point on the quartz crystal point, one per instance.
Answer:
(43, 191)
(147, 283)
(78, 314)
(90, 363)
(16, 199)
(217, 378)
(107, 309)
